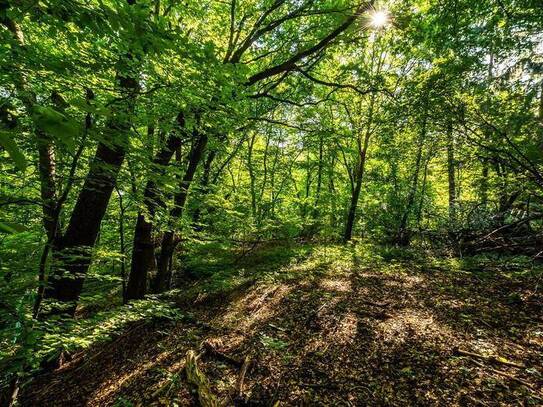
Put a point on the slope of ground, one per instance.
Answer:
(328, 325)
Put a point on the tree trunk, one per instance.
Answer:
(319, 177)
(422, 193)
(73, 254)
(72, 257)
(169, 241)
(307, 189)
(143, 248)
(484, 183)
(359, 173)
(143, 258)
(259, 205)
(351, 215)
(487, 134)
(451, 176)
(402, 237)
(46, 154)
(358, 176)
(252, 179)
(48, 189)
(204, 185)
(540, 116)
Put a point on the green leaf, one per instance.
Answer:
(13, 150)
(56, 124)
(11, 228)
(87, 107)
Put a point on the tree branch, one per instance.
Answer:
(290, 63)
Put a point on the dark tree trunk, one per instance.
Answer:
(55, 235)
(451, 170)
(72, 257)
(484, 183)
(169, 242)
(208, 180)
(46, 153)
(73, 254)
(351, 215)
(319, 177)
(48, 187)
(143, 258)
(252, 178)
(403, 235)
(358, 173)
(143, 249)
(204, 184)
(540, 117)
(308, 181)
(122, 247)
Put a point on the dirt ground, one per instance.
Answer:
(331, 327)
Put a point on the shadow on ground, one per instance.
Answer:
(327, 326)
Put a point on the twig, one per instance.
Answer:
(511, 377)
(376, 304)
(277, 327)
(242, 373)
(490, 358)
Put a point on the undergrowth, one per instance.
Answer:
(27, 345)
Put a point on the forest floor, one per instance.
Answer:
(328, 325)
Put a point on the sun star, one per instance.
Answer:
(379, 18)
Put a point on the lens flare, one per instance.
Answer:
(379, 19)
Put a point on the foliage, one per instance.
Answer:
(147, 142)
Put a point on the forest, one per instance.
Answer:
(271, 203)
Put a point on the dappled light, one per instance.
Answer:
(336, 284)
(329, 334)
(409, 322)
(260, 305)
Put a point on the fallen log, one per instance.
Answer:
(199, 381)
(210, 349)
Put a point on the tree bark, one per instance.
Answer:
(402, 237)
(46, 153)
(252, 178)
(540, 117)
(169, 241)
(358, 176)
(204, 187)
(73, 254)
(319, 176)
(72, 257)
(143, 248)
(348, 234)
(451, 167)
(359, 172)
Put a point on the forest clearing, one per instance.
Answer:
(271, 203)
